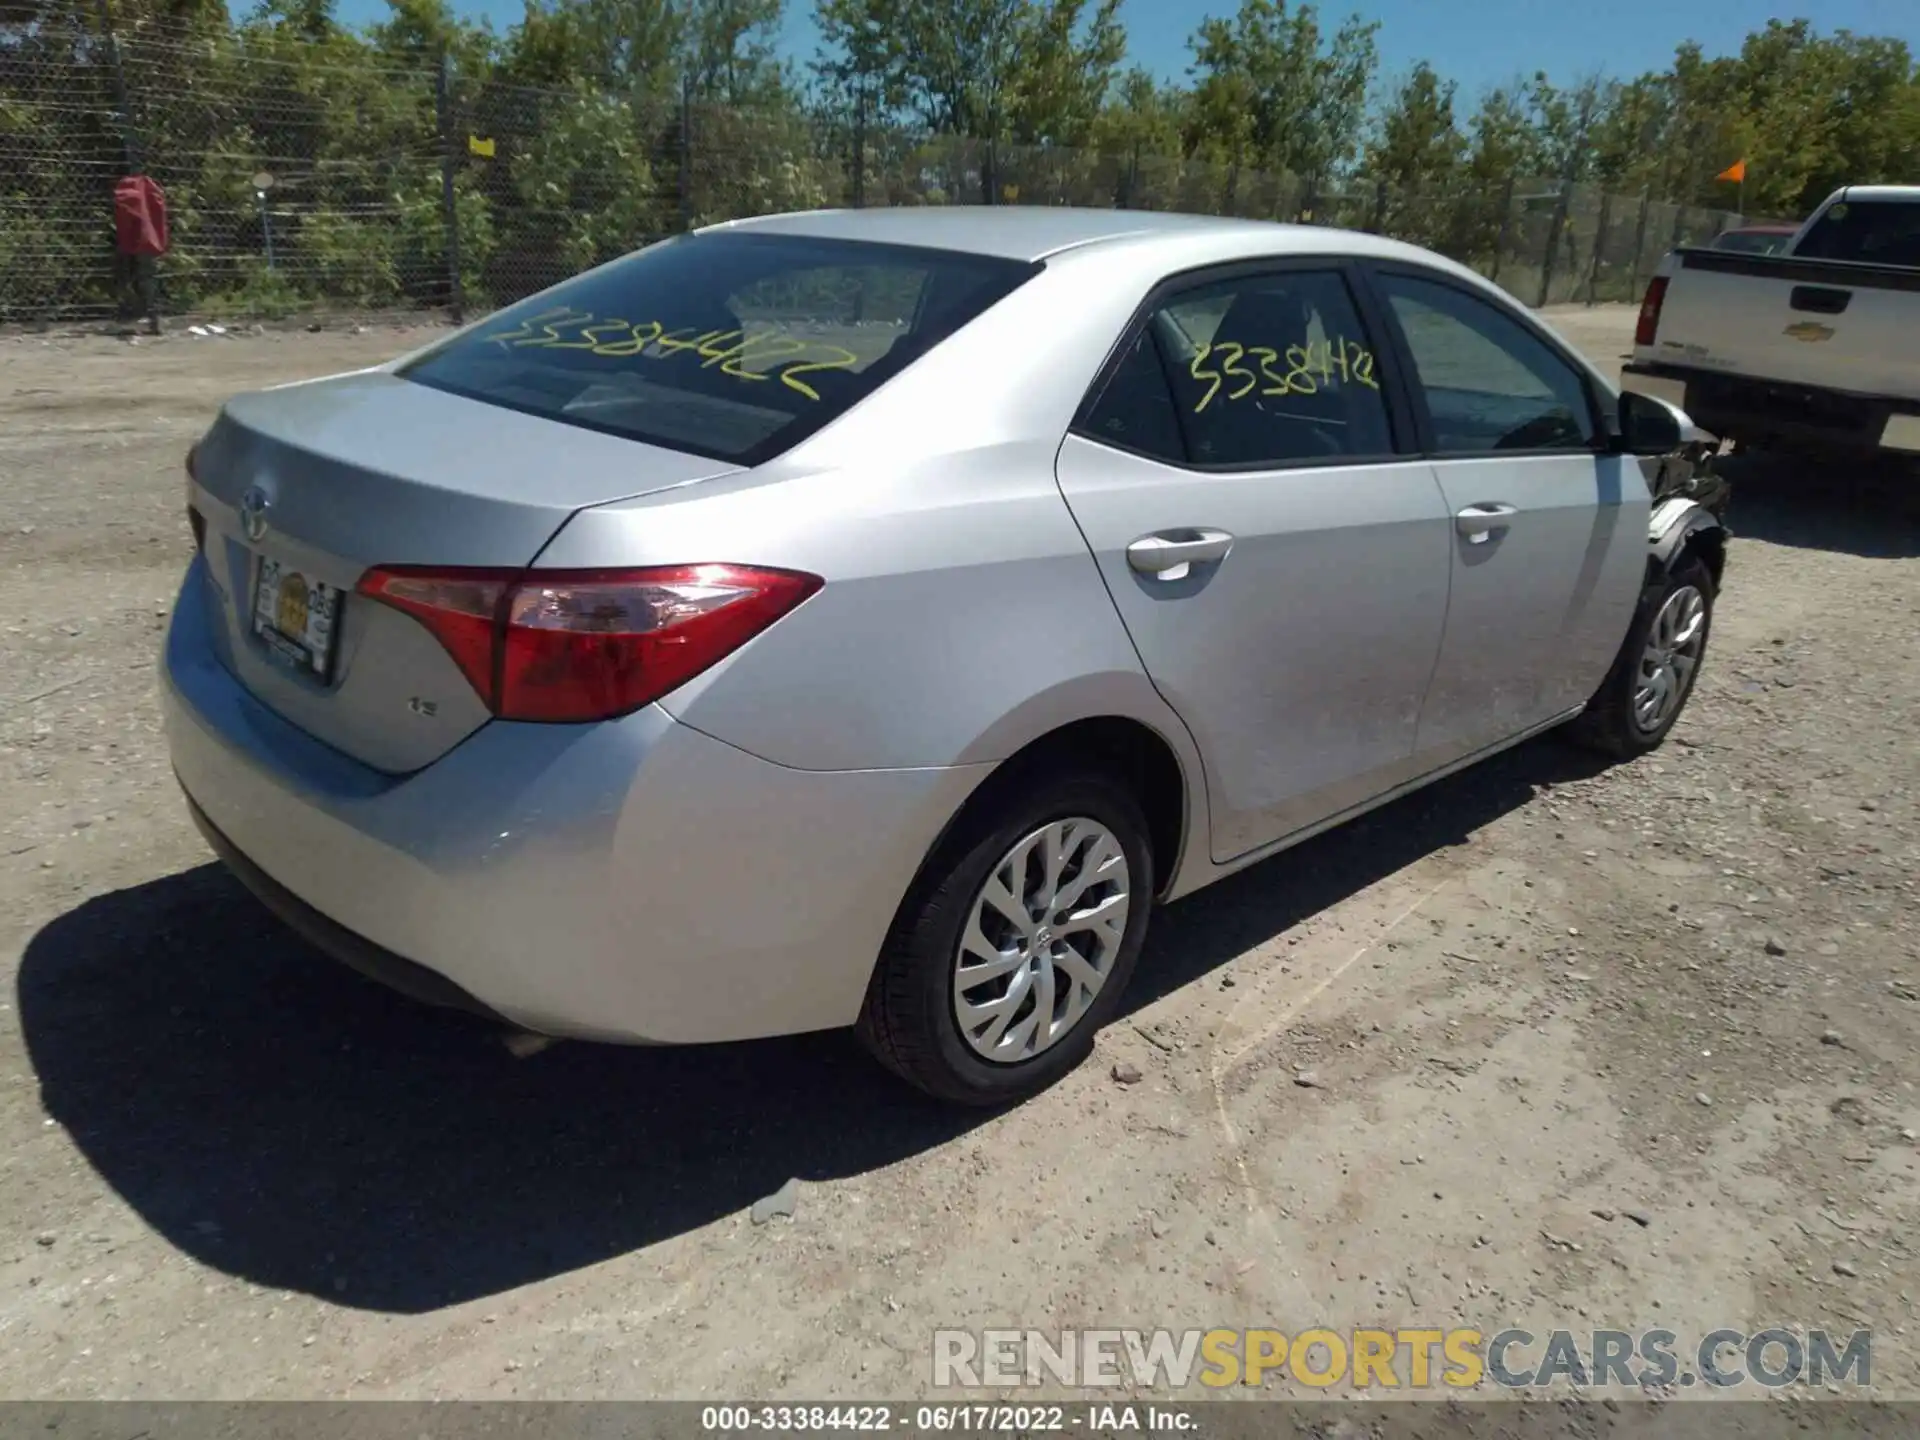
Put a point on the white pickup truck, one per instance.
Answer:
(1814, 349)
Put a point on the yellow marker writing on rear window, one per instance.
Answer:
(729, 351)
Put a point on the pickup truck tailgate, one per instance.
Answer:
(1830, 324)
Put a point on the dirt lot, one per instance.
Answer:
(1589, 1047)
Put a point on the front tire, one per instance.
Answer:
(1654, 674)
(1016, 942)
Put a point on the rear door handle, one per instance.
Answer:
(1478, 522)
(1168, 553)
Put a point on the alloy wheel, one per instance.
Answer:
(1040, 940)
(1671, 656)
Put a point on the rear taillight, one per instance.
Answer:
(461, 608)
(578, 645)
(1649, 325)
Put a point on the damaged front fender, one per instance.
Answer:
(1681, 525)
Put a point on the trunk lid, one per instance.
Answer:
(368, 469)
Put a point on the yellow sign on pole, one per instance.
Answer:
(480, 147)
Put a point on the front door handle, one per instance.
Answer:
(1168, 553)
(1478, 522)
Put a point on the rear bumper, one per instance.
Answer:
(632, 881)
(1746, 408)
(335, 940)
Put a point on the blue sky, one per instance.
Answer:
(1478, 42)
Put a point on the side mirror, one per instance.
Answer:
(1649, 426)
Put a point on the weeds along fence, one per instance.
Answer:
(300, 185)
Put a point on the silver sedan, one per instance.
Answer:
(864, 618)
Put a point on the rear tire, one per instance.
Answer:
(1074, 844)
(1651, 680)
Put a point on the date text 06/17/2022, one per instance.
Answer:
(942, 1419)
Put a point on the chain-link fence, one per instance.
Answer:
(303, 177)
(59, 155)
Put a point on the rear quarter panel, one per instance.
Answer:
(962, 615)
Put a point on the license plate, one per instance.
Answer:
(296, 617)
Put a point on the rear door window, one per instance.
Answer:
(1261, 371)
(734, 346)
(1870, 232)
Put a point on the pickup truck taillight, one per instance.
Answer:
(1649, 325)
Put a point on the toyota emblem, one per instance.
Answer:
(253, 513)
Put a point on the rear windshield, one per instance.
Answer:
(1872, 232)
(734, 346)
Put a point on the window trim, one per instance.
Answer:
(1105, 375)
(1604, 425)
(1401, 430)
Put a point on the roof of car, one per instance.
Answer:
(1025, 232)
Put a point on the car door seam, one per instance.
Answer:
(1405, 379)
(1120, 619)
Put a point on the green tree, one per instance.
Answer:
(1878, 108)
(1417, 141)
(1501, 140)
(1627, 140)
(1272, 90)
(1501, 144)
(1141, 114)
(1069, 57)
(1029, 70)
(550, 47)
(577, 190)
(1807, 112)
(310, 20)
(861, 59)
(729, 51)
(1416, 153)
(1565, 122)
(419, 32)
(627, 46)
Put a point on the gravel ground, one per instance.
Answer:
(1585, 1046)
